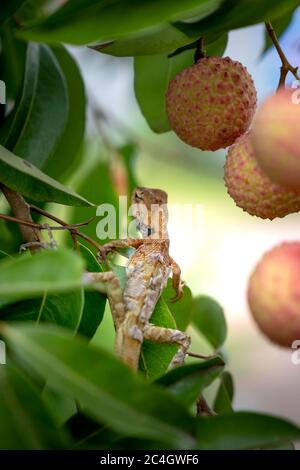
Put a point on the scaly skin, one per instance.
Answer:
(147, 274)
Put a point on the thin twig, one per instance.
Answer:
(286, 67)
(85, 237)
(21, 210)
(27, 223)
(200, 52)
(203, 408)
(201, 356)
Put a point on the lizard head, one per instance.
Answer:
(150, 210)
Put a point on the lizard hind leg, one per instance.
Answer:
(159, 334)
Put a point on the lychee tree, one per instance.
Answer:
(70, 393)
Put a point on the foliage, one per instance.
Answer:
(47, 314)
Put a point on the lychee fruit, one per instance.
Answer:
(274, 293)
(251, 189)
(276, 137)
(211, 103)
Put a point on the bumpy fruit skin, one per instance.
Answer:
(211, 103)
(251, 189)
(276, 138)
(274, 294)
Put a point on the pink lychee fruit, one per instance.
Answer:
(274, 293)
(276, 137)
(211, 103)
(251, 189)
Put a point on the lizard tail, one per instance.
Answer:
(129, 342)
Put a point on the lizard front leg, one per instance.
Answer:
(176, 280)
(116, 244)
(160, 334)
(108, 283)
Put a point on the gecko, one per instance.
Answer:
(148, 270)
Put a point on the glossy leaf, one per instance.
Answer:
(244, 430)
(223, 400)
(9, 9)
(27, 179)
(151, 79)
(94, 302)
(62, 159)
(234, 14)
(128, 404)
(164, 38)
(187, 382)
(24, 277)
(12, 62)
(26, 422)
(182, 309)
(41, 114)
(209, 320)
(79, 22)
(65, 309)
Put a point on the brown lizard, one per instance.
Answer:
(148, 270)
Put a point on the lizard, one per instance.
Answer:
(148, 270)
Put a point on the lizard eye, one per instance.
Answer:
(139, 198)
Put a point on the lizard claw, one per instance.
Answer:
(179, 293)
(103, 252)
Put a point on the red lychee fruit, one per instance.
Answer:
(274, 294)
(211, 103)
(251, 189)
(276, 137)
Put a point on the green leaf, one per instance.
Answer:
(24, 277)
(187, 382)
(9, 9)
(12, 62)
(222, 403)
(237, 14)
(244, 430)
(27, 179)
(128, 153)
(64, 309)
(214, 45)
(182, 309)
(81, 22)
(25, 421)
(104, 387)
(151, 79)
(209, 320)
(41, 114)
(279, 25)
(163, 38)
(94, 302)
(60, 162)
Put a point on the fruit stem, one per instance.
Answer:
(286, 67)
(200, 52)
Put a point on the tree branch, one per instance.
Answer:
(200, 52)
(286, 67)
(21, 210)
(203, 409)
(74, 232)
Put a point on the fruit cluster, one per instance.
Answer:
(211, 105)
